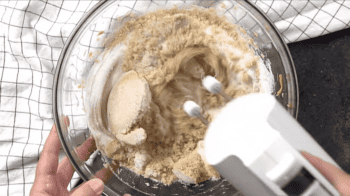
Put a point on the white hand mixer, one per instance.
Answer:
(254, 143)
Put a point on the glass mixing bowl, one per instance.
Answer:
(84, 45)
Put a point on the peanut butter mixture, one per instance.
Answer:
(166, 55)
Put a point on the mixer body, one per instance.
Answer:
(254, 143)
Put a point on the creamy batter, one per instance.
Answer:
(152, 65)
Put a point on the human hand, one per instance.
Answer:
(52, 178)
(336, 176)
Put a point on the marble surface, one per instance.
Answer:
(323, 70)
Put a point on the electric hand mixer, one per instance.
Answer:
(254, 143)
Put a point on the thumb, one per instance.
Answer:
(336, 176)
(92, 187)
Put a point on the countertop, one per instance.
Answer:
(323, 71)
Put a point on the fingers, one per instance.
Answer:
(45, 178)
(66, 121)
(104, 174)
(48, 162)
(330, 171)
(84, 151)
(336, 176)
(90, 188)
(65, 169)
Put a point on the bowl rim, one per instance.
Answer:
(290, 59)
(75, 31)
(55, 87)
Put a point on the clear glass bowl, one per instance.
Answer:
(84, 45)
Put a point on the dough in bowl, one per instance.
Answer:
(128, 101)
(154, 63)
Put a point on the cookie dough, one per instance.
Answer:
(152, 64)
(128, 100)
